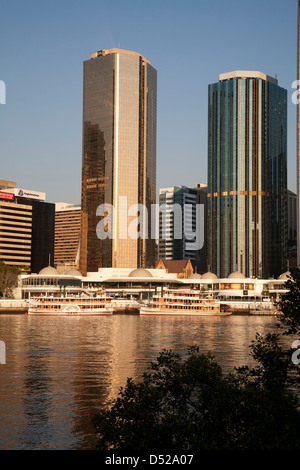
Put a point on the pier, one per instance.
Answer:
(132, 307)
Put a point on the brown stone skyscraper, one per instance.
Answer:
(119, 159)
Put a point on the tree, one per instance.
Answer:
(8, 278)
(289, 304)
(185, 402)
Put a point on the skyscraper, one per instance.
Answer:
(119, 160)
(67, 236)
(172, 247)
(182, 224)
(292, 228)
(247, 175)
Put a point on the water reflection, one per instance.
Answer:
(60, 371)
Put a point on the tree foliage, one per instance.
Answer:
(289, 304)
(8, 278)
(186, 402)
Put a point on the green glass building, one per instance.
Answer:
(247, 175)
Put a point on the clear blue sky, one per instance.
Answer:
(43, 45)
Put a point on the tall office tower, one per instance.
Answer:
(247, 175)
(298, 140)
(181, 234)
(67, 236)
(119, 160)
(200, 264)
(292, 229)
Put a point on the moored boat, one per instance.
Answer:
(183, 302)
(70, 305)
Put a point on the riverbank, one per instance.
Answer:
(254, 312)
(132, 307)
(13, 311)
(13, 306)
(22, 310)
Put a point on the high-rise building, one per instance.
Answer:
(182, 224)
(292, 228)
(247, 175)
(15, 231)
(26, 227)
(119, 160)
(172, 219)
(67, 236)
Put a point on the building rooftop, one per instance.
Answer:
(236, 275)
(105, 52)
(7, 184)
(174, 266)
(48, 271)
(140, 272)
(246, 74)
(209, 275)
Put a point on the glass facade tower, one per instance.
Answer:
(182, 230)
(247, 175)
(119, 160)
(183, 200)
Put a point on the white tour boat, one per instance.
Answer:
(70, 305)
(183, 302)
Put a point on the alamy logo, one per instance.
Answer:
(187, 222)
(296, 354)
(2, 92)
(2, 353)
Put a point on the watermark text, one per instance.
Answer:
(2, 353)
(2, 92)
(296, 354)
(177, 222)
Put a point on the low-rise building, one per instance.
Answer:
(240, 293)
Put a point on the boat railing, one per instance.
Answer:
(180, 302)
(71, 300)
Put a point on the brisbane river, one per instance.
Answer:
(59, 371)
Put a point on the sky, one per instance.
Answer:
(43, 45)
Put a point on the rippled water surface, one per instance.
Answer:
(60, 371)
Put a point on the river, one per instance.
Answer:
(59, 371)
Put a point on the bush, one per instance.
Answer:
(186, 403)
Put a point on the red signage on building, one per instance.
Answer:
(7, 196)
